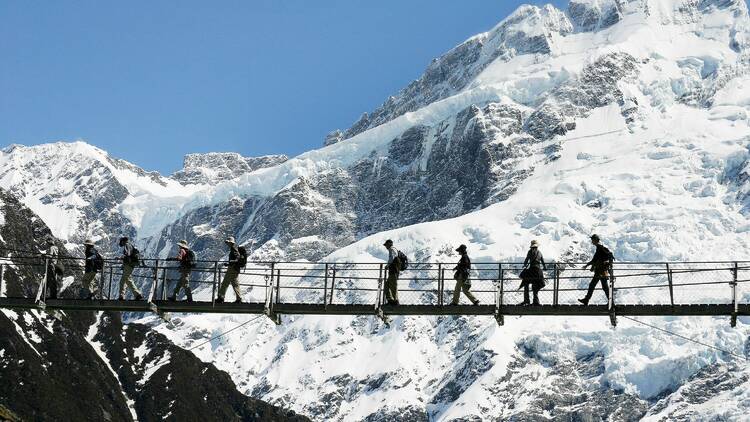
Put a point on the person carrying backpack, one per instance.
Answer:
(54, 271)
(532, 274)
(394, 268)
(600, 266)
(463, 268)
(130, 260)
(234, 265)
(186, 257)
(94, 262)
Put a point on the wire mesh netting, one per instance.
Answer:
(420, 284)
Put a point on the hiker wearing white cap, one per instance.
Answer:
(94, 263)
(463, 269)
(233, 272)
(186, 257)
(532, 274)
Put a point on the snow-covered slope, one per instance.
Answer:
(626, 118)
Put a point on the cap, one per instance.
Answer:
(388, 242)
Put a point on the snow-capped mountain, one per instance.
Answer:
(625, 118)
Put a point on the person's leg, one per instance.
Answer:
(125, 280)
(536, 295)
(87, 282)
(395, 287)
(456, 293)
(390, 286)
(223, 287)
(236, 285)
(605, 286)
(526, 293)
(592, 285)
(468, 292)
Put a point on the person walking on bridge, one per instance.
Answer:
(533, 274)
(394, 268)
(233, 272)
(54, 269)
(463, 269)
(600, 265)
(93, 264)
(130, 258)
(186, 258)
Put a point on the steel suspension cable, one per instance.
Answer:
(664, 330)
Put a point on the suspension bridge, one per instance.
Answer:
(304, 288)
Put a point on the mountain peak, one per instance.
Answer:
(214, 167)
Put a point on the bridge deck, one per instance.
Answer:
(319, 309)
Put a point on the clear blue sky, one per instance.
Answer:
(149, 81)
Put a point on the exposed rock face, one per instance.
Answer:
(216, 167)
(80, 366)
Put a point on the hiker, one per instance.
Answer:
(600, 264)
(394, 268)
(233, 271)
(532, 274)
(461, 276)
(130, 260)
(186, 257)
(54, 269)
(94, 263)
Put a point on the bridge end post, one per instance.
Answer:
(499, 297)
(611, 301)
(733, 321)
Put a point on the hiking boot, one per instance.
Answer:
(190, 299)
(395, 302)
(391, 302)
(476, 302)
(536, 303)
(584, 301)
(524, 303)
(138, 297)
(238, 300)
(219, 300)
(171, 298)
(120, 298)
(453, 304)
(90, 296)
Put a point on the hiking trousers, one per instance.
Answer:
(125, 280)
(230, 277)
(461, 285)
(592, 286)
(535, 288)
(51, 282)
(183, 283)
(391, 287)
(89, 280)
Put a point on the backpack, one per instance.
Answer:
(98, 261)
(608, 253)
(134, 258)
(403, 261)
(242, 261)
(189, 260)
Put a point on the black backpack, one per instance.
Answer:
(134, 259)
(403, 261)
(98, 261)
(189, 259)
(609, 254)
(242, 260)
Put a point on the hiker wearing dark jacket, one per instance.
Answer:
(128, 265)
(394, 268)
(89, 272)
(186, 266)
(600, 265)
(532, 274)
(233, 272)
(461, 275)
(54, 269)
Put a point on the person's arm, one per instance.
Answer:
(541, 258)
(526, 261)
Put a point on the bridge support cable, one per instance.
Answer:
(672, 333)
(671, 285)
